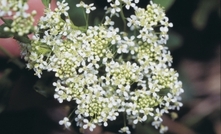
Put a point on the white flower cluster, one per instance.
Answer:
(105, 71)
(22, 21)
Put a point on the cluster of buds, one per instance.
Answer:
(23, 21)
(104, 70)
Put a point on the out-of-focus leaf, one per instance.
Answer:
(145, 129)
(3, 33)
(7, 21)
(44, 85)
(8, 34)
(175, 40)
(164, 3)
(46, 2)
(44, 49)
(23, 38)
(76, 14)
(163, 92)
(97, 21)
(201, 15)
(46, 91)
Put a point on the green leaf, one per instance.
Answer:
(164, 3)
(7, 21)
(8, 34)
(23, 38)
(3, 33)
(164, 91)
(145, 129)
(175, 41)
(202, 13)
(46, 2)
(97, 21)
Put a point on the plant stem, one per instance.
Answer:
(86, 16)
(123, 17)
(87, 20)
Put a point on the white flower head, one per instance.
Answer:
(125, 130)
(129, 3)
(104, 70)
(115, 8)
(133, 22)
(108, 21)
(88, 8)
(65, 122)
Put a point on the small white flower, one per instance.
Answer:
(65, 122)
(81, 4)
(159, 114)
(156, 124)
(125, 130)
(136, 1)
(88, 8)
(129, 4)
(115, 8)
(133, 22)
(89, 125)
(63, 7)
(163, 129)
(108, 21)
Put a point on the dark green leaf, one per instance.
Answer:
(97, 21)
(164, 91)
(23, 38)
(164, 3)
(175, 41)
(7, 21)
(46, 2)
(4, 34)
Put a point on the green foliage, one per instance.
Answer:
(23, 38)
(7, 21)
(46, 2)
(165, 3)
(163, 92)
(3, 33)
(76, 14)
(145, 129)
(8, 34)
(201, 15)
(175, 41)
